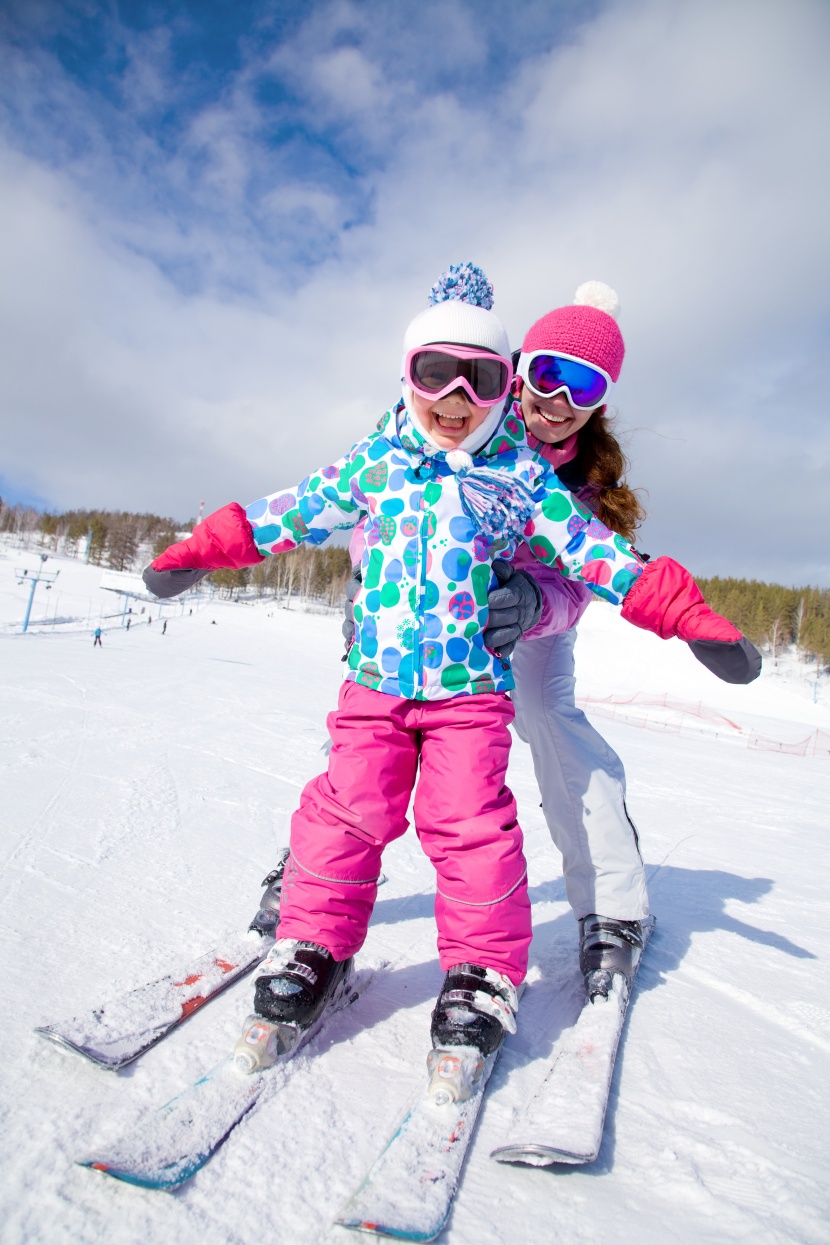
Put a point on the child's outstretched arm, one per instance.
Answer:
(323, 502)
(661, 597)
(233, 537)
(224, 540)
(666, 600)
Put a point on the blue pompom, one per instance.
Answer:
(465, 282)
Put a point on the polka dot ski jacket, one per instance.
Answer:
(434, 523)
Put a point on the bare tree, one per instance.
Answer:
(777, 632)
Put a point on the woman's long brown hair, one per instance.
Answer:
(602, 463)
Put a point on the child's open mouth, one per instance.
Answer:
(450, 423)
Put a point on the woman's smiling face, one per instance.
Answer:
(551, 419)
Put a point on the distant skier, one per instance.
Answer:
(164, 628)
(97, 638)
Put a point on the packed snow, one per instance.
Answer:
(147, 789)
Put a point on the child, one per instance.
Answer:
(446, 484)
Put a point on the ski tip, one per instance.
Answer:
(50, 1035)
(96, 1165)
(539, 1156)
(345, 1220)
(72, 1048)
(165, 1184)
(57, 1039)
(356, 1225)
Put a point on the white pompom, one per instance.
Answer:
(459, 460)
(598, 294)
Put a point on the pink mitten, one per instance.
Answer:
(223, 540)
(666, 600)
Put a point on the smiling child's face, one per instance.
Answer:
(451, 419)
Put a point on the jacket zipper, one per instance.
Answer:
(420, 678)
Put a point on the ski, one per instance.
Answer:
(116, 1032)
(178, 1139)
(409, 1190)
(564, 1120)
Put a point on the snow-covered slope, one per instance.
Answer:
(147, 788)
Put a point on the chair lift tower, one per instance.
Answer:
(38, 576)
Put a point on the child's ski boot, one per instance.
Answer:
(608, 946)
(297, 980)
(475, 1008)
(295, 985)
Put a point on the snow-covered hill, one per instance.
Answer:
(147, 788)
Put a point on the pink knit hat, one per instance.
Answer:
(586, 329)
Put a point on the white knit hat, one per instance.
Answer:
(459, 324)
(460, 315)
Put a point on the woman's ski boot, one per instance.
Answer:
(475, 1008)
(608, 946)
(265, 921)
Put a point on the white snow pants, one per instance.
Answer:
(582, 782)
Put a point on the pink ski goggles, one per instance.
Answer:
(434, 371)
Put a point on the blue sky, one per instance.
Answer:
(217, 218)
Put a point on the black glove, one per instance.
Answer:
(739, 662)
(352, 588)
(165, 584)
(515, 606)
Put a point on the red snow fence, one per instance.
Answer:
(671, 716)
(660, 713)
(821, 745)
(815, 745)
(765, 744)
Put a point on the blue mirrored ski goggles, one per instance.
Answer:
(548, 373)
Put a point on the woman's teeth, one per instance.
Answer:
(551, 419)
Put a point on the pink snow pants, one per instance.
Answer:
(465, 818)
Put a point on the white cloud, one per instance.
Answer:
(154, 354)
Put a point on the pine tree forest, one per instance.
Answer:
(774, 617)
(127, 542)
